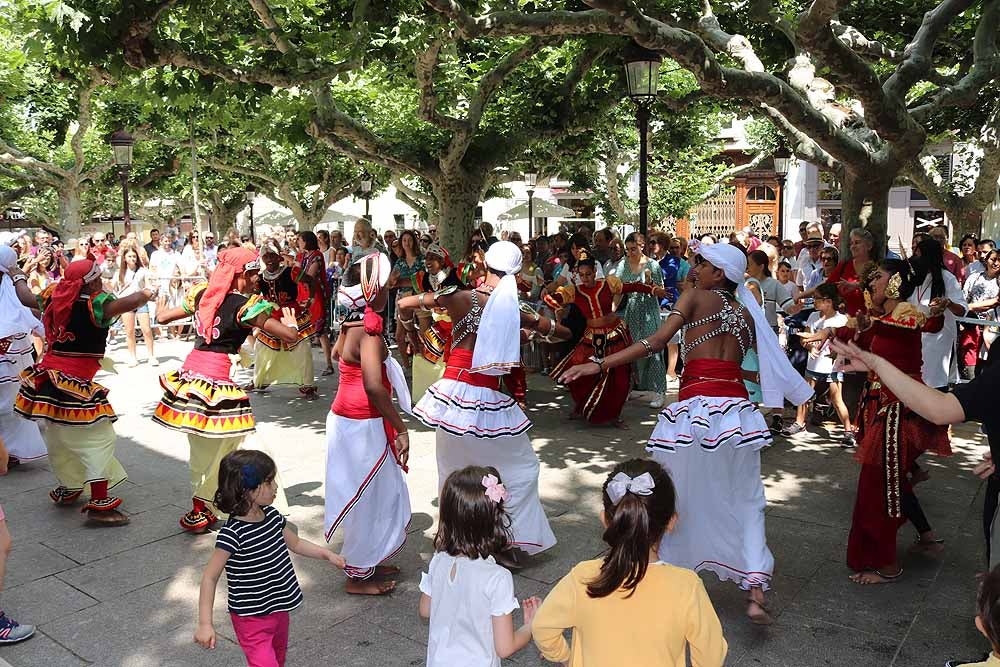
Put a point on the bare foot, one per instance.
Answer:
(620, 423)
(929, 547)
(365, 587)
(757, 613)
(871, 577)
(386, 571)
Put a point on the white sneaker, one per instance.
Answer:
(658, 403)
(153, 361)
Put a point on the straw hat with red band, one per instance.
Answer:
(232, 262)
(77, 275)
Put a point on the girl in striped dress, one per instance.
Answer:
(253, 549)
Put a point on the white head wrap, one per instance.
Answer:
(17, 319)
(498, 344)
(778, 380)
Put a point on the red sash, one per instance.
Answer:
(212, 365)
(459, 364)
(712, 377)
(83, 368)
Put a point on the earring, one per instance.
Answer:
(892, 289)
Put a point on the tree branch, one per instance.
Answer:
(732, 172)
(426, 63)
(918, 53)
(263, 11)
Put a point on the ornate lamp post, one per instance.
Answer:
(366, 191)
(530, 178)
(250, 193)
(121, 145)
(642, 71)
(782, 160)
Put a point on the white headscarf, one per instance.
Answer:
(15, 318)
(498, 344)
(778, 380)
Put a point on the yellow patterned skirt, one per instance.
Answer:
(294, 366)
(59, 398)
(198, 405)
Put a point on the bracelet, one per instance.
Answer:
(678, 314)
(649, 348)
(552, 328)
(20, 277)
(599, 362)
(407, 324)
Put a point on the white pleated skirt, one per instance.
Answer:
(21, 436)
(366, 493)
(515, 460)
(711, 449)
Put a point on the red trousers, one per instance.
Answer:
(970, 337)
(264, 639)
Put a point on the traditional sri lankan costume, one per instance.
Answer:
(366, 493)
(710, 439)
(21, 436)
(430, 364)
(474, 423)
(600, 398)
(316, 300)
(275, 361)
(60, 389)
(200, 399)
(890, 438)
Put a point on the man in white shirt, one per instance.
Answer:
(211, 252)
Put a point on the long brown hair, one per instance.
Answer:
(470, 524)
(141, 260)
(635, 525)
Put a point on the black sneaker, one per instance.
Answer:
(776, 423)
(850, 441)
(793, 429)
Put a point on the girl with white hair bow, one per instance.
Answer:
(710, 439)
(475, 424)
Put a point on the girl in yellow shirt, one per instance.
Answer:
(631, 608)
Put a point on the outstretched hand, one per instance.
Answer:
(288, 318)
(579, 371)
(852, 356)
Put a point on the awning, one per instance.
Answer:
(540, 208)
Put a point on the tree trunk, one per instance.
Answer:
(965, 221)
(865, 203)
(69, 210)
(457, 201)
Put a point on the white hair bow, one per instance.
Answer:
(621, 484)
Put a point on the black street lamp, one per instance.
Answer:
(530, 178)
(782, 160)
(642, 72)
(250, 193)
(121, 145)
(366, 191)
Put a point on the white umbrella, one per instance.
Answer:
(540, 208)
(335, 216)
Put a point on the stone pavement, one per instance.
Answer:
(128, 596)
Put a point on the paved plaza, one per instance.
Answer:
(128, 596)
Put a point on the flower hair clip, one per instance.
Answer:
(495, 489)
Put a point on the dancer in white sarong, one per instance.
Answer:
(710, 439)
(476, 424)
(367, 441)
(24, 441)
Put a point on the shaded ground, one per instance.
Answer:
(128, 596)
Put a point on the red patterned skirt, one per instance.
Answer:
(599, 398)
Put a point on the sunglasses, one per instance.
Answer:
(828, 259)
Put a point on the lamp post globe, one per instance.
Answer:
(249, 194)
(121, 147)
(530, 178)
(642, 73)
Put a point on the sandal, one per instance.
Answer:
(330, 370)
(927, 546)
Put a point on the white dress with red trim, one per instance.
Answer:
(478, 425)
(366, 493)
(21, 436)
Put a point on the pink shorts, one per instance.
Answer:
(264, 639)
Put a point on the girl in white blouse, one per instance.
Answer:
(467, 596)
